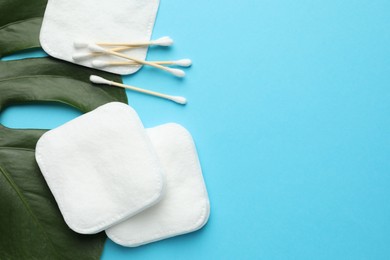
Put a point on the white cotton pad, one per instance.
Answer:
(69, 21)
(185, 206)
(101, 168)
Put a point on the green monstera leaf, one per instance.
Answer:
(20, 23)
(31, 225)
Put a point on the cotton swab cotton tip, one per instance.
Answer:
(99, 80)
(81, 56)
(163, 41)
(80, 44)
(96, 48)
(100, 64)
(179, 100)
(177, 72)
(184, 62)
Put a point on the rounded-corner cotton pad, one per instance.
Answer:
(101, 168)
(185, 206)
(67, 21)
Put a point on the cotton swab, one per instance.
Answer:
(176, 72)
(99, 80)
(163, 41)
(86, 55)
(102, 64)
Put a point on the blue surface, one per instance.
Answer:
(289, 105)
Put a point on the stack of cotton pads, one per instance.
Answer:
(107, 172)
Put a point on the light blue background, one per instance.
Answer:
(289, 105)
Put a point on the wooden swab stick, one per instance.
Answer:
(163, 41)
(85, 55)
(102, 64)
(176, 72)
(99, 80)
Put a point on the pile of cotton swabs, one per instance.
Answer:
(114, 49)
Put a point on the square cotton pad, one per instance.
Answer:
(101, 168)
(67, 21)
(185, 205)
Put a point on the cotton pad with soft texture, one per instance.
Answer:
(185, 205)
(68, 21)
(101, 168)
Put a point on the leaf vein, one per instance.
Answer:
(20, 21)
(27, 206)
(17, 148)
